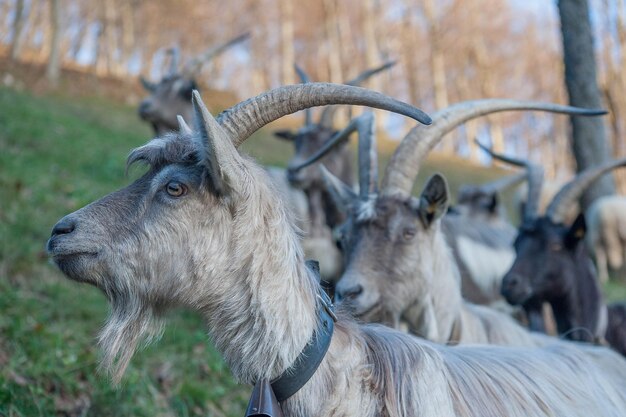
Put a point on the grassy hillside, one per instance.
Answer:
(57, 154)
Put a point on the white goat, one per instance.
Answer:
(606, 233)
(203, 229)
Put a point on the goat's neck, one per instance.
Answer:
(581, 306)
(262, 312)
(440, 308)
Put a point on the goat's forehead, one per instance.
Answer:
(166, 150)
(383, 209)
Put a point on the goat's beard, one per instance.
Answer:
(131, 323)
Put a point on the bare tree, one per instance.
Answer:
(588, 135)
(18, 25)
(54, 60)
(286, 41)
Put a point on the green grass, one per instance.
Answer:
(56, 155)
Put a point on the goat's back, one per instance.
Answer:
(616, 330)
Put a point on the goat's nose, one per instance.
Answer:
(509, 283)
(143, 107)
(64, 227)
(349, 293)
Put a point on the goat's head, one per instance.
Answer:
(483, 201)
(168, 98)
(386, 243)
(172, 95)
(312, 137)
(389, 237)
(544, 267)
(549, 253)
(182, 233)
(307, 141)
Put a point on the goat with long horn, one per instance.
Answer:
(399, 266)
(172, 95)
(553, 265)
(203, 229)
(307, 141)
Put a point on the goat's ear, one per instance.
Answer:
(148, 85)
(576, 232)
(433, 202)
(341, 193)
(220, 156)
(285, 134)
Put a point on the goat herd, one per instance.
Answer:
(209, 229)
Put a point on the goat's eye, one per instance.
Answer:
(408, 234)
(175, 189)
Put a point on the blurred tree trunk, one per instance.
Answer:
(437, 64)
(333, 42)
(288, 56)
(408, 56)
(18, 25)
(54, 60)
(37, 23)
(371, 19)
(128, 34)
(589, 141)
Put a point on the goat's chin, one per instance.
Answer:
(80, 267)
(370, 313)
(516, 298)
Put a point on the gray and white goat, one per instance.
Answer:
(323, 216)
(204, 229)
(307, 141)
(481, 238)
(399, 265)
(171, 96)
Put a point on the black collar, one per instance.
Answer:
(266, 396)
(313, 353)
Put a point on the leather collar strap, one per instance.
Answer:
(311, 356)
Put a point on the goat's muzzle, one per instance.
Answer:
(346, 294)
(515, 288)
(145, 109)
(71, 256)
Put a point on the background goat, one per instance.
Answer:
(606, 234)
(202, 228)
(311, 138)
(481, 238)
(398, 265)
(323, 216)
(171, 96)
(553, 265)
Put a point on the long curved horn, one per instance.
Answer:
(502, 184)
(367, 151)
(174, 54)
(192, 67)
(248, 116)
(328, 114)
(405, 163)
(534, 173)
(368, 156)
(304, 78)
(330, 144)
(562, 201)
